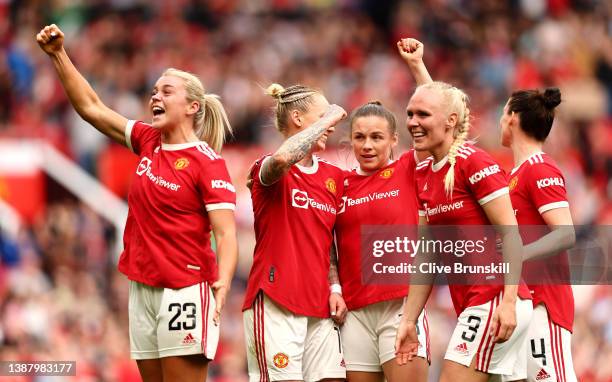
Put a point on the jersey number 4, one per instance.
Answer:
(542, 353)
(188, 321)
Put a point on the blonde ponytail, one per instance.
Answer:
(210, 122)
(215, 123)
(275, 90)
(461, 134)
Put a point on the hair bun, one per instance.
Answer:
(375, 102)
(552, 97)
(275, 90)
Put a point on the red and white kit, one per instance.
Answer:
(286, 310)
(167, 243)
(374, 310)
(478, 180)
(538, 186)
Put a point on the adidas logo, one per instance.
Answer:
(542, 375)
(342, 363)
(189, 340)
(462, 348)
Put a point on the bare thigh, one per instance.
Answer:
(364, 376)
(189, 368)
(150, 370)
(414, 371)
(453, 372)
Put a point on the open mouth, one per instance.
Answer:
(158, 110)
(417, 134)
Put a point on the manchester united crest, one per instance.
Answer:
(513, 183)
(386, 173)
(281, 360)
(181, 163)
(330, 184)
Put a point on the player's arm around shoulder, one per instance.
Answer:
(80, 93)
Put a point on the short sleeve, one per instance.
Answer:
(546, 187)
(255, 173)
(218, 192)
(484, 177)
(139, 134)
(420, 185)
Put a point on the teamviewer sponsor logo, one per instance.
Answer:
(300, 199)
(443, 208)
(220, 183)
(343, 205)
(480, 175)
(546, 182)
(143, 166)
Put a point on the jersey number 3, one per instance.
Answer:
(473, 325)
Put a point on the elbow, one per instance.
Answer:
(88, 112)
(569, 237)
(279, 161)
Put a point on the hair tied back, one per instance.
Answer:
(552, 97)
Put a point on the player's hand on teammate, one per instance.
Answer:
(337, 308)
(411, 50)
(504, 321)
(220, 289)
(50, 39)
(406, 342)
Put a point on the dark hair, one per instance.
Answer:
(377, 109)
(295, 97)
(536, 110)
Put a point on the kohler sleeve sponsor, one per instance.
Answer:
(487, 171)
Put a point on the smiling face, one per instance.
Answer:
(315, 112)
(429, 123)
(169, 103)
(372, 142)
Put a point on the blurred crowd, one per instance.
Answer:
(60, 294)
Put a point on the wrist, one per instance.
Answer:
(225, 283)
(509, 299)
(335, 288)
(414, 62)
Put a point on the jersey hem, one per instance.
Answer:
(286, 305)
(157, 284)
(354, 305)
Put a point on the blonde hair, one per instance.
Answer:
(210, 122)
(455, 101)
(295, 97)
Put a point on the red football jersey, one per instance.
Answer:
(386, 197)
(167, 234)
(537, 186)
(294, 220)
(478, 180)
